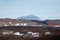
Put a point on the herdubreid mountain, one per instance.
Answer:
(29, 17)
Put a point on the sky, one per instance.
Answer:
(44, 9)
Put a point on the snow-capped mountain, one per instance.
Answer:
(29, 17)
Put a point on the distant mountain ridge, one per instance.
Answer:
(29, 17)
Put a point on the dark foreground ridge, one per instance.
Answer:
(53, 35)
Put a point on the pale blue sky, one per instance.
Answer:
(45, 9)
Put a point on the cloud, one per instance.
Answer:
(27, 11)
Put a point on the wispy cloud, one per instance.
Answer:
(41, 8)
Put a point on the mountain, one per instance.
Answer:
(29, 17)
